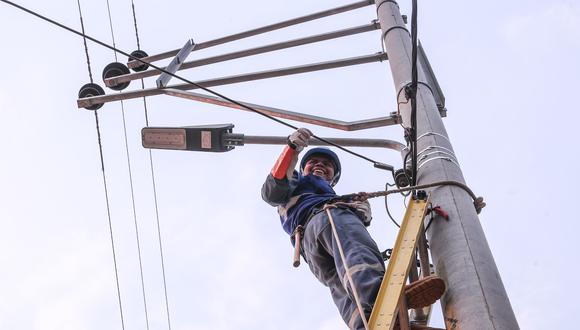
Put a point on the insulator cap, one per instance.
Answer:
(116, 69)
(89, 90)
(140, 54)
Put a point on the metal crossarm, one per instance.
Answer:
(297, 116)
(257, 31)
(384, 312)
(112, 81)
(89, 101)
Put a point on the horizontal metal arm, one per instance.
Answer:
(88, 101)
(248, 52)
(297, 116)
(241, 139)
(257, 31)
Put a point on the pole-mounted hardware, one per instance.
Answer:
(190, 137)
(257, 31)
(378, 57)
(220, 138)
(139, 54)
(432, 81)
(90, 90)
(247, 52)
(209, 138)
(175, 64)
(113, 70)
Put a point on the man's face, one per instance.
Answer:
(320, 166)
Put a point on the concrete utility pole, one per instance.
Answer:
(476, 297)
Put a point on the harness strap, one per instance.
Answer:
(298, 233)
(327, 208)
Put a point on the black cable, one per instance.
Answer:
(132, 190)
(110, 222)
(375, 163)
(154, 185)
(85, 42)
(118, 285)
(387, 208)
(135, 23)
(413, 94)
(430, 218)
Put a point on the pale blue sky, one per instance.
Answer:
(509, 71)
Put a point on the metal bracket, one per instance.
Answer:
(432, 81)
(246, 52)
(175, 63)
(257, 31)
(297, 116)
(220, 137)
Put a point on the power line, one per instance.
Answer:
(104, 176)
(413, 94)
(130, 181)
(153, 182)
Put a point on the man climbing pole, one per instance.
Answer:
(300, 198)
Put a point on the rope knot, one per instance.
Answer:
(479, 204)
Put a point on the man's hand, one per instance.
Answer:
(363, 210)
(299, 139)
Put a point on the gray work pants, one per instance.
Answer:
(362, 257)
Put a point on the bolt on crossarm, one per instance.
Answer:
(476, 297)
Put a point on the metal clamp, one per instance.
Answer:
(384, 35)
(436, 134)
(382, 2)
(450, 157)
(431, 147)
(436, 147)
(433, 133)
(418, 83)
(434, 158)
(425, 156)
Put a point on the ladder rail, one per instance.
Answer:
(390, 294)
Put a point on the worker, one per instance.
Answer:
(300, 197)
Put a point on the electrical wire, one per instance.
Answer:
(132, 189)
(413, 94)
(104, 176)
(153, 182)
(387, 208)
(85, 43)
(31, 12)
(135, 24)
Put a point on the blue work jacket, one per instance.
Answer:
(296, 198)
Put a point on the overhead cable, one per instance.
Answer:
(131, 186)
(153, 183)
(104, 176)
(413, 94)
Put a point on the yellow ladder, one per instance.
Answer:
(390, 296)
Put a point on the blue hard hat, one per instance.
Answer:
(325, 152)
